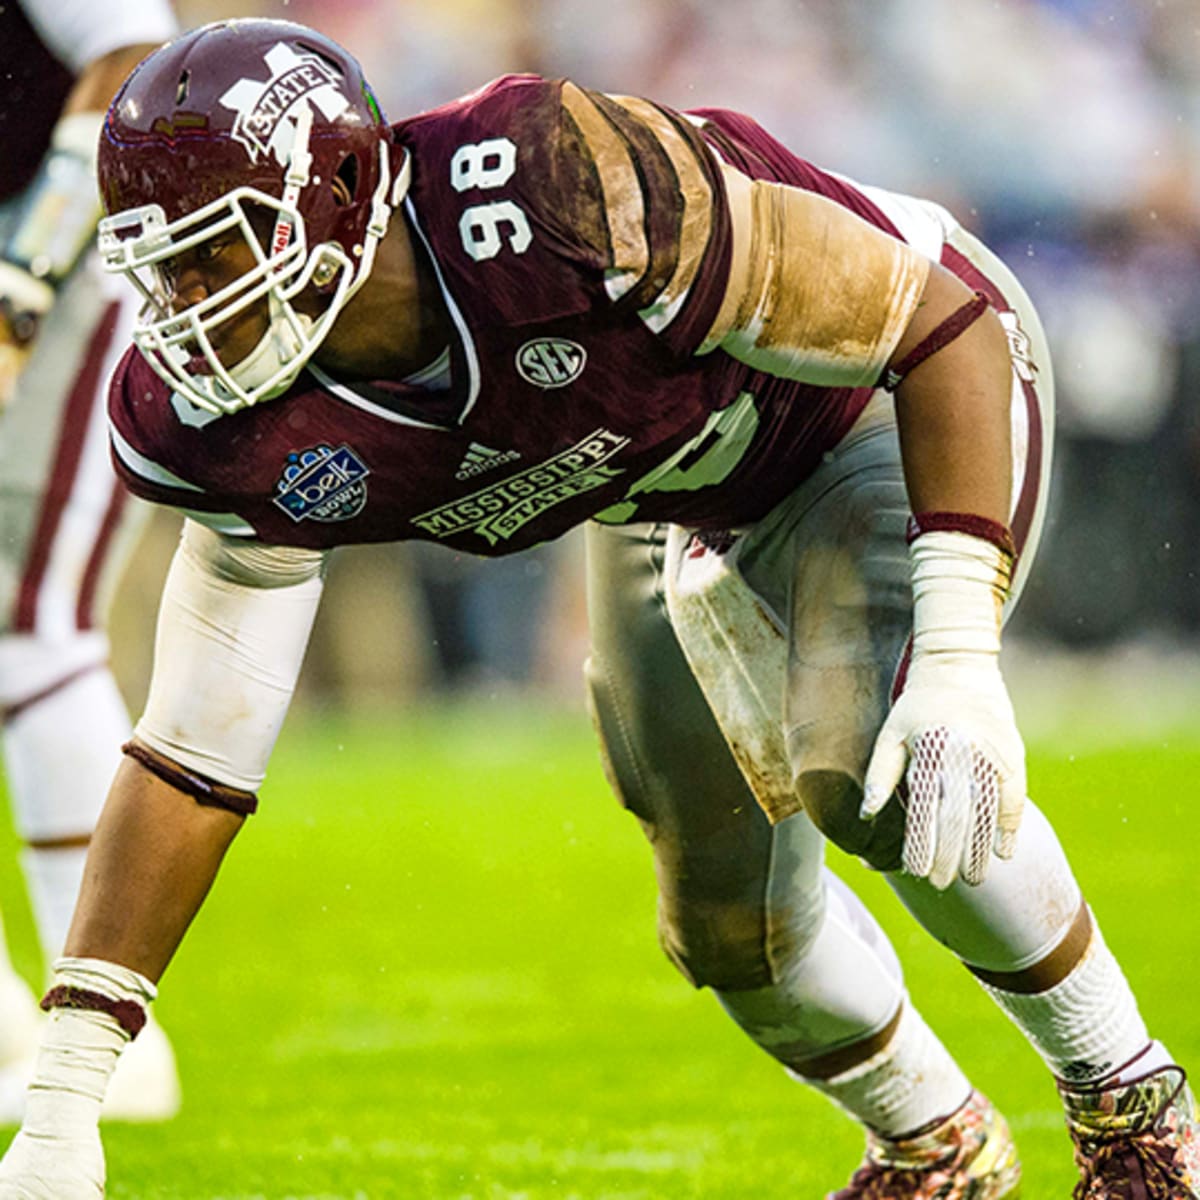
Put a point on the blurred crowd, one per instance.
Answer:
(1065, 132)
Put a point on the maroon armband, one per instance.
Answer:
(941, 335)
(951, 522)
(129, 1014)
(207, 792)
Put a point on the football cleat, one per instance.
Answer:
(1135, 1141)
(968, 1156)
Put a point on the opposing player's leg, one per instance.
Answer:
(747, 908)
(19, 1029)
(66, 528)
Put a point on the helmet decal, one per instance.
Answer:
(266, 112)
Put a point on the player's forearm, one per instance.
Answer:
(953, 410)
(154, 855)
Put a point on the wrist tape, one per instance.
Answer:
(960, 584)
(95, 986)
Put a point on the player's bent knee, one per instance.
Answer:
(614, 737)
(717, 944)
(711, 937)
(832, 801)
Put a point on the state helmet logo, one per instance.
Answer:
(266, 110)
(551, 362)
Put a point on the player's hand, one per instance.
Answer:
(952, 736)
(953, 739)
(24, 301)
(49, 1168)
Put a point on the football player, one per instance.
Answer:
(809, 422)
(66, 525)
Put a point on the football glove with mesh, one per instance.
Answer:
(951, 738)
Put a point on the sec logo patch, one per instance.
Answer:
(551, 362)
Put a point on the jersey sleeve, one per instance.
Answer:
(658, 227)
(565, 203)
(142, 456)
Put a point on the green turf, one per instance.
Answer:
(429, 971)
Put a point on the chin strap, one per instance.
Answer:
(278, 346)
(387, 195)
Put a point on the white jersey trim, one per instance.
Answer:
(230, 524)
(923, 224)
(456, 316)
(347, 393)
(147, 468)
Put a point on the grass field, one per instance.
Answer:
(429, 972)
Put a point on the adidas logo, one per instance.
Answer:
(481, 458)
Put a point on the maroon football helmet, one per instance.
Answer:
(238, 120)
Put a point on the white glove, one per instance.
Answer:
(53, 1168)
(952, 735)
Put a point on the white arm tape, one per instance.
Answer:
(815, 293)
(233, 626)
(960, 584)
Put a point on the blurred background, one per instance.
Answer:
(1065, 132)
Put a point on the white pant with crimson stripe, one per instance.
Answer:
(66, 530)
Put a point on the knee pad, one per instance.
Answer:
(832, 800)
(736, 915)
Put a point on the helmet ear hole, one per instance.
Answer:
(345, 181)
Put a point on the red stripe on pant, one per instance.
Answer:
(75, 422)
(85, 615)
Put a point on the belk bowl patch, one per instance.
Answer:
(322, 483)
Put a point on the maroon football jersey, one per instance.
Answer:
(582, 247)
(33, 86)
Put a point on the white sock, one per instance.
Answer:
(52, 878)
(912, 1082)
(1087, 1026)
(840, 984)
